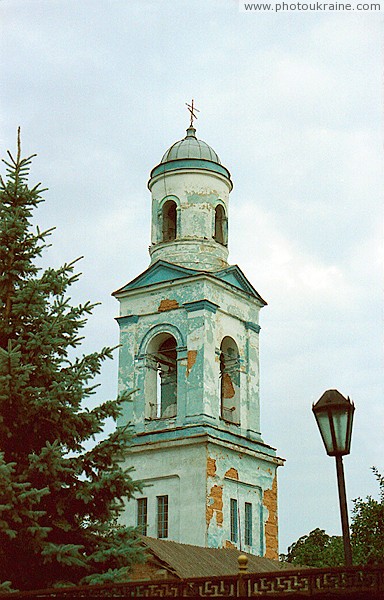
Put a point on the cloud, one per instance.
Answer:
(282, 266)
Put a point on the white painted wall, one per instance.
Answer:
(179, 472)
(179, 469)
(196, 194)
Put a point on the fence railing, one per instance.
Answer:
(360, 582)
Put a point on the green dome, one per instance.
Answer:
(189, 153)
(190, 147)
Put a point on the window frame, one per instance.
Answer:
(248, 530)
(162, 516)
(142, 515)
(234, 529)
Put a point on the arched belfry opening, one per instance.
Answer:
(220, 234)
(169, 221)
(161, 384)
(229, 381)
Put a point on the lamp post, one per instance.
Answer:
(334, 416)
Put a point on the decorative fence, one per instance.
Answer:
(360, 583)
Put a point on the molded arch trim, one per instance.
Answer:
(174, 199)
(220, 202)
(161, 328)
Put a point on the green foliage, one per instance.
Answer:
(367, 530)
(317, 549)
(59, 500)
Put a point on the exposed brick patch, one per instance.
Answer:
(228, 389)
(271, 529)
(168, 305)
(215, 504)
(233, 473)
(191, 359)
(211, 467)
(229, 544)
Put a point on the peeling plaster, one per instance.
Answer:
(244, 478)
(197, 195)
(271, 530)
(232, 473)
(168, 305)
(191, 359)
(228, 389)
(211, 467)
(229, 544)
(215, 505)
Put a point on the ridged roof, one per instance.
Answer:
(186, 560)
(190, 147)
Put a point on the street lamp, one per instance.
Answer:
(334, 416)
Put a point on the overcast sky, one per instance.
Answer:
(292, 104)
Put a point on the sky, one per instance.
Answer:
(292, 103)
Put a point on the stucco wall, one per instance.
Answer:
(196, 195)
(245, 477)
(200, 477)
(179, 472)
(199, 330)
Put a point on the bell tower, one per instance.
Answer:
(189, 336)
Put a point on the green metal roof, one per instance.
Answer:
(162, 271)
(189, 163)
(190, 153)
(190, 147)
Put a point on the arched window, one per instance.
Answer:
(169, 221)
(220, 234)
(229, 381)
(162, 377)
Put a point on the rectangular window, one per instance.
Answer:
(162, 516)
(142, 515)
(234, 530)
(248, 524)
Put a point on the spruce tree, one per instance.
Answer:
(59, 496)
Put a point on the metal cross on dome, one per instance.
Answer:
(192, 109)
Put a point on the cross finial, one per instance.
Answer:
(192, 109)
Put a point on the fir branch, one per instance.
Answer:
(56, 508)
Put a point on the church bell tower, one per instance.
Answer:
(189, 335)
